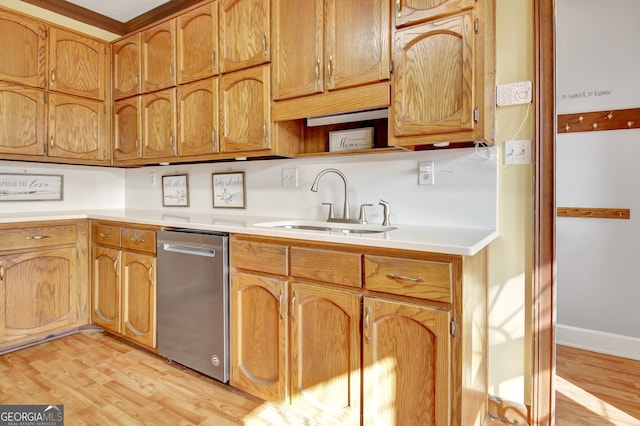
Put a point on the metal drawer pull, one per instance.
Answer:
(367, 318)
(151, 275)
(280, 300)
(103, 235)
(38, 237)
(136, 240)
(293, 311)
(1, 274)
(404, 278)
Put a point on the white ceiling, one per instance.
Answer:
(120, 10)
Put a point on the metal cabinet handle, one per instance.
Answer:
(399, 8)
(405, 278)
(264, 130)
(318, 71)
(38, 237)
(293, 311)
(115, 266)
(280, 300)
(171, 140)
(136, 240)
(330, 68)
(213, 59)
(51, 143)
(151, 275)
(137, 80)
(53, 75)
(103, 235)
(1, 274)
(367, 319)
(265, 52)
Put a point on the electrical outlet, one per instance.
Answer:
(290, 177)
(153, 179)
(426, 173)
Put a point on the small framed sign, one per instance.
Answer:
(351, 140)
(175, 191)
(229, 190)
(31, 187)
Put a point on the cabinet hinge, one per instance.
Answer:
(453, 327)
(391, 67)
(476, 115)
(476, 25)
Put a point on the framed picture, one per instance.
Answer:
(229, 190)
(31, 187)
(175, 191)
(352, 139)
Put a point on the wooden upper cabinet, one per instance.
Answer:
(127, 65)
(357, 42)
(159, 124)
(127, 129)
(407, 356)
(245, 117)
(198, 52)
(22, 112)
(77, 128)
(198, 118)
(245, 33)
(159, 56)
(433, 79)
(77, 64)
(353, 48)
(408, 12)
(23, 58)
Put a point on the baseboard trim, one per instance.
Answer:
(598, 341)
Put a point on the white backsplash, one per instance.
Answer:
(464, 194)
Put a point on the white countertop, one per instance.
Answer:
(449, 240)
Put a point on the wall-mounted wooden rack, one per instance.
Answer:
(617, 119)
(595, 213)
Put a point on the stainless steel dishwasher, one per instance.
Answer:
(193, 300)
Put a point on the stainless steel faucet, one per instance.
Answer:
(345, 212)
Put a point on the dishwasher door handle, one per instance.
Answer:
(184, 249)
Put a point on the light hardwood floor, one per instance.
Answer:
(593, 389)
(102, 380)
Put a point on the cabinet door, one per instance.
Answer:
(106, 288)
(357, 42)
(198, 43)
(159, 57)
(77, 64)
(22, 112)
(325, 351)
(38, 292)
(259, 344)
(139, 298)
(159, 124)
(127, 65)
(198, 118)
(127, 129)
(407, 362)
(409, 12)
(245, 110)
(77, 128)
(298, 32)
(24, 43)
(433, 80)
(244, 33)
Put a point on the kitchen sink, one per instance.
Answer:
(338, 227)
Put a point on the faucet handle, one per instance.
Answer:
(330, 210)
(386, 212)
(363, 216)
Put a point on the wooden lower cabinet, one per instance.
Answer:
(405, 343)
(406, 354)
(124, 281)
(43, 289)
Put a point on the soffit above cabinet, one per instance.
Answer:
(117, 16)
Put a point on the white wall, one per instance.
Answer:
(464, 193)
(84, 187)
(598, 289)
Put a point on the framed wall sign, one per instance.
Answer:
(175, 191)
(352, 139)
(229, 190)
(31, 187)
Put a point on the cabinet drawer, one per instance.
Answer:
(335, 267)
(106, 235)
(138, 239)
(41, 236)
(422, 279)
(259, 256)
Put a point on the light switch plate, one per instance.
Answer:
(290, 177)
(517, 151)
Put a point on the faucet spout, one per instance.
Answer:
(314, 188)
